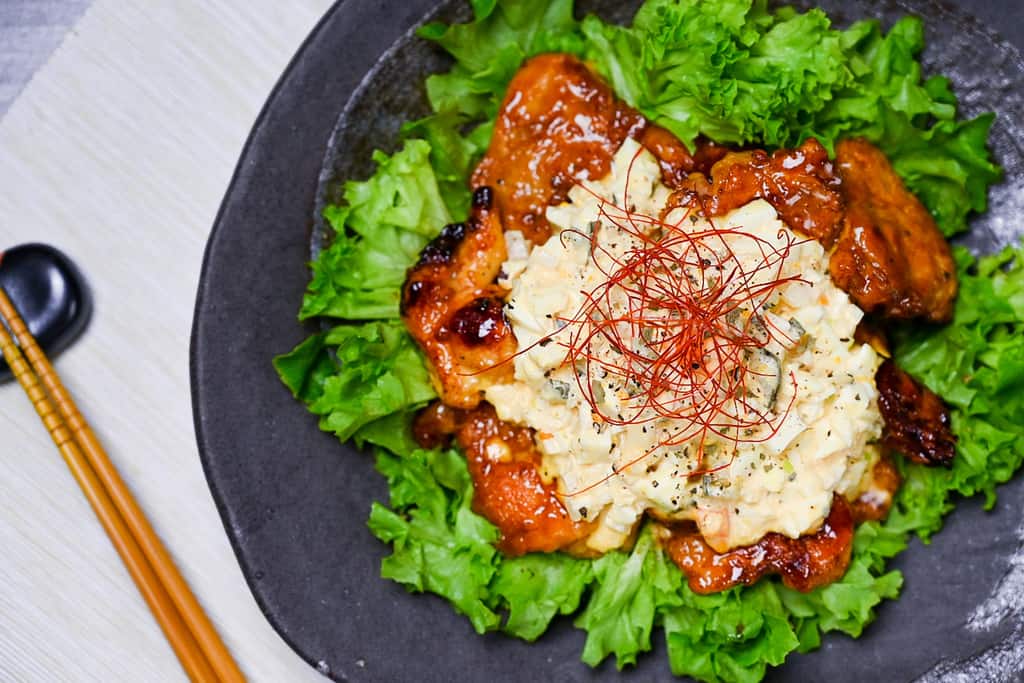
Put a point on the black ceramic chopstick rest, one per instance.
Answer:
(50, 294)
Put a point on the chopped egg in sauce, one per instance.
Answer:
(686, 368)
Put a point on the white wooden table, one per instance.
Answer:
(119, 152)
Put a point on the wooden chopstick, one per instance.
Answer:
(200, 649)
(180, 637)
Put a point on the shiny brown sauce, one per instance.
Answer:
(559, 124)
(803, 563)
(507, 486)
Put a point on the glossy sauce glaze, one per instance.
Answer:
(800, 184)
(890, 258)
(453, 309)
(507, 487)
(917, 422)
(559, 125)
(803, 563)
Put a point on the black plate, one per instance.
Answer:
(294, 501)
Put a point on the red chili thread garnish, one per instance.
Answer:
(675, 324)
(682, 316)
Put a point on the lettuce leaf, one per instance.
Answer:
(305, 368)
(489, 50)
(947, 166)
(439, 544)
(534, 588)
(452, 153)
(729, 70)
(735, 72)
(977, 365)
(379, 232)
(729, 636)
(630, 590)
(376, 371)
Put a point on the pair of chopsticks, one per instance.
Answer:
(200, 650)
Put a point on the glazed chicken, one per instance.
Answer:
(916, 420)
(453, 309)
(560, 125)
(888, 255)
(507, 486)
(874, 503)
(890, 258)
(800, 184)
(804, 563)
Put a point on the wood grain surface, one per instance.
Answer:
(118, 152)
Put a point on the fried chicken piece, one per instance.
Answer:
(799, 183)
(454, 311)
(508, 489)
(705, 156)
(804, 563)
(558, 125)
(874, 503)
(869, 332)
(916, 420)
(674, 158)
(435, 425)
(890, 257)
